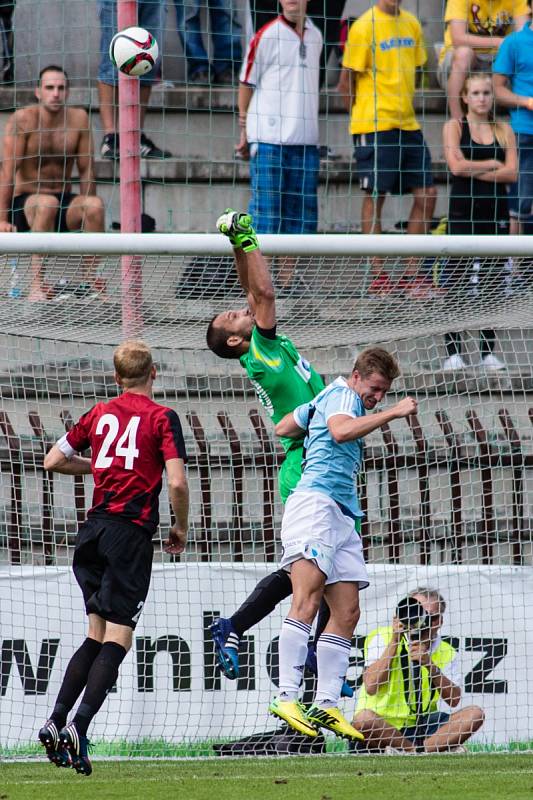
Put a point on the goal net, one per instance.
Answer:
(446, 497)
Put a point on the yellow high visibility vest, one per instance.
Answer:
(395, 701)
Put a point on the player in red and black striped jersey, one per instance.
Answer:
(132, 440)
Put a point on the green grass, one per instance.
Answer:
(450, 777)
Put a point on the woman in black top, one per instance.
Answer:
(481, 155)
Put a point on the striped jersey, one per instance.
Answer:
(131, 437)
(331, 467)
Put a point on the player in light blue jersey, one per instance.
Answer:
(320, 535)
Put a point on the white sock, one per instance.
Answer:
(292, 654)
(333, 655)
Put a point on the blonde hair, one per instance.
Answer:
(133, 363)
(376, 359)
(499, 131)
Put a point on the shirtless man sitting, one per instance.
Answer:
(42, 142)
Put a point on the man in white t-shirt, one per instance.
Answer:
(278, 118)
(410, 671)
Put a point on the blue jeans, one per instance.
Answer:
(150, 15)
(520, 199)
(284, 182)
(225, 33)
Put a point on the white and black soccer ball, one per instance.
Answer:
(133, 51)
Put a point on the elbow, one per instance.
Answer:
(370, 685)
(339, 437)
(265, 295)
(179, 486)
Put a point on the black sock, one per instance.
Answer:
(101, 679)
(262, 601)
(74, 680)
(322, 621)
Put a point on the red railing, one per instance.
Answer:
(17, 460)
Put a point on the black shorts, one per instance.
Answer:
(393, 161)
(113, 565)
(18, 215)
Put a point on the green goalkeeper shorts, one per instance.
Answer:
(290, 473)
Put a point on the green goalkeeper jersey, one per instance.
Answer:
(283, 380)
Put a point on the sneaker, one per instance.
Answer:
(326, 153)
(110, 147)
(237, 226)
(293, 713)
(49, 738)
(333, 720)
(312, 667)
(491, 362)
(78, 748)
(453, 363)
(225, 78)
(150, 150)
(226, 644)
(381, 285)
(200, 78)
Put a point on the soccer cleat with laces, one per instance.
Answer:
(226, 644)
(293, 713)
(237, 226)
(333, 720)
(49, 738)
(77, 747)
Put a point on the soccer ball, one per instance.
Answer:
(133, 51)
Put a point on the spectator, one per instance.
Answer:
(513, 87)
(410, 669)
(381, 56)
(151, 15)
(278, 117)
(481, 155)
(326, 14)
(7, 73)
(226, 39)
(474, 31)
(42, 142)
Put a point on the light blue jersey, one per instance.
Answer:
(330, 467)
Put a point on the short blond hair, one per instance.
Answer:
(133, 363)
(376, 359)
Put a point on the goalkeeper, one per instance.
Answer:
(282, 379)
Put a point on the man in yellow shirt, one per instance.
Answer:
(384, 49)
(474, 31)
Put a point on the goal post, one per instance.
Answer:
(447, 497)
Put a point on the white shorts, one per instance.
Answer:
(315, 528)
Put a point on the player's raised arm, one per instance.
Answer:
(253, 269)
(344, 428)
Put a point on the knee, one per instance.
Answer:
(93, 211)
(477, 717)
(44, 208)
(305, 607)
(364, 719)
(463, 58)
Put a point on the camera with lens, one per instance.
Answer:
(414, 618)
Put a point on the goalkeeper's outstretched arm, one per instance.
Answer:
(254, 276)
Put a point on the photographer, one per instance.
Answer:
(410, 668)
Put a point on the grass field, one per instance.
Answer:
(450, 777)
